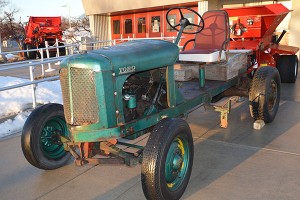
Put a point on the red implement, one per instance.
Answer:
(254, 28)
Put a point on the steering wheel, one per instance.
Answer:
(184, 21)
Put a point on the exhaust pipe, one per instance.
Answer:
(280, 37)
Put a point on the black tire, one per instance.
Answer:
(264, 94)
(162, 179)
(30, 54)
(40, 139)
(52, 53)
(62, 51)
(287, 66)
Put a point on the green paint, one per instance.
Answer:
(108, 66)
(151, 110)
(177, 162)
(132, 102)
(51, 144)
(171, 89)
(83, 134)
(202, 77)
(127, 58)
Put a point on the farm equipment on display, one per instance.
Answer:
(118, 93)
(40, 30)
(253, 28)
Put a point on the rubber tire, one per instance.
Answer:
(287, 66)
(52, 54)
(154, 158)
(261, 84)
(62, 51)
(30, 54)
(30, 139)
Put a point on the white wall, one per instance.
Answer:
(295, 24)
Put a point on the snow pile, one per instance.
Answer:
(10, 56)
(13, 126)
(16, 100)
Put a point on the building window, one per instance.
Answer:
(142, 25)
(116, 27)
(128, 26)
(155, 24)
(172, 20)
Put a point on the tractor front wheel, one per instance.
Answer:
(167, 160)
(40, 140)
(264, 94)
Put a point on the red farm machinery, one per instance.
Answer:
(253, 30)
(42, 30)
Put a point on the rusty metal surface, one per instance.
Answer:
(64, 82)
(84, 109)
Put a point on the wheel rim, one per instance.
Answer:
(177, 163)
(272, 99)
(50, 138)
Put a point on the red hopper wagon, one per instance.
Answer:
(41, 29)
(252, 29)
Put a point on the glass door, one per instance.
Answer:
(141, 23)
(128, 26)
(116, 30)
(156, 24)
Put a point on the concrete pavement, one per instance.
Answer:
(237, 163)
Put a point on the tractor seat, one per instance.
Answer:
(212, 42)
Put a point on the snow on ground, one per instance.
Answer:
(15, 101)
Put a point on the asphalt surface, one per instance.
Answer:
(237, 163)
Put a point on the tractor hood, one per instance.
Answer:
(125, 58)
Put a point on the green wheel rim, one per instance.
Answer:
(177, 162)
(51, 144)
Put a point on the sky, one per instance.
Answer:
(16, 100)
(47, 8)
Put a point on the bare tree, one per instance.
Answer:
(3, 3)
(9, 27)
(81, 23)
(78, 25)
(64, 23)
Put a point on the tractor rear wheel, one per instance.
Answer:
(167, 160)
(40, 140)
(264, 94)
(287, 66)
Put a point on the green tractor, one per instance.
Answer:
(128, 90)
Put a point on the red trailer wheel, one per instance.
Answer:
(287, 66)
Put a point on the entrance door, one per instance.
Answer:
(116, 27)
(156, 23)
(128, 26)
(141, 25)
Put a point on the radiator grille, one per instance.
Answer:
(83, 93)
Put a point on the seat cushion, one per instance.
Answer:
(201, 55)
